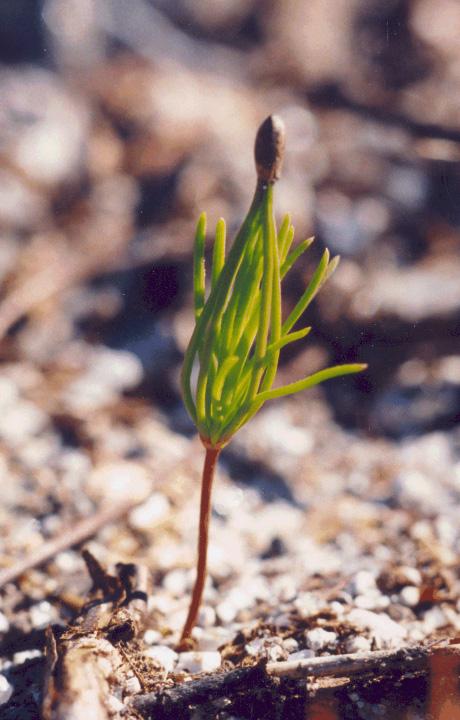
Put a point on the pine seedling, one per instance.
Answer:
(232, 358)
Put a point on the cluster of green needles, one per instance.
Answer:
(231, 362)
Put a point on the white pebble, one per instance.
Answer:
(152, 637)
(108, 373)
(67, 561)
(301, 655)
(385, 631)
(41, 615)
(306, 605)
(118, 481)
(87, 394)
(410, 574)
(363, 583)
(410, 596)
(206, 616)
(358, 643)
(373, 601)
(277, 430)
(226, 612)
(281, 620)
(145, 516)
(4, 623)
(198, 662)
(319, 639)
(132, 685)
(290, 645)
(163, 655)
(254, 647)
(416, 490)
(21, 657)
(337, 608)
(114, 705)
(20, 422)
(176, 582)
(213, 638)
(276, 652)
(434, 619)
(6, 690)
(8, 393)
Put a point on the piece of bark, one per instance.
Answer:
(88, 673)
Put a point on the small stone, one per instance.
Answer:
(385, 632)
(8, 393)
(119, 481)
(145, 516)
(306, 605)
(41, 615)
(198, 662)
(226, 612)
(276, 652)
(132, 685)
(452, 617)
(254, 647)
(163, 655)
(212, 638)
(120, 369)
(363, 583)
(301, 655)
(367, 602)
(21, 422)
(6, 690)
(68, 561)
(290, 645)
(176, 582)
(319, 639)
(410, 596)
(176, 619)
(434, 619)
(415, 632)
(358, 643)
(86, 394)
(286, 588)
(21, 657)
(410, 574)
(152, 637)
(4, 623)
(337, 608)
(281, 620)
(115, 706)
(206, 616)
(108, 373)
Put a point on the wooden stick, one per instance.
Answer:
(377, 661)
(70, 537)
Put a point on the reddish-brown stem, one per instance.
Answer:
(209, 467)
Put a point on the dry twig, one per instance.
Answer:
(75, 535)
(377, 662)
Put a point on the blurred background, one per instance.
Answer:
(121, 121)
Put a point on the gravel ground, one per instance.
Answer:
(335, 523)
